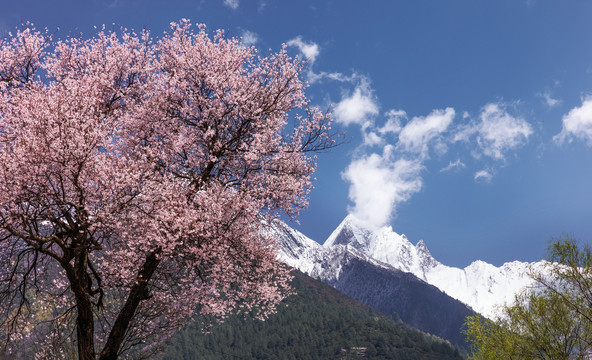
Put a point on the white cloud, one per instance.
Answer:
(453, 166)
(499, 131)
(376, 135)
(233, 4)
(577, 123)
(483, 175)
(371, 138)
(464, 132)
(549, 100)
(309, 50)
(378, 185)
(416, 134)
(440, 147)
(357, 108)
(249, 38)
(313, 77)
(393, 123)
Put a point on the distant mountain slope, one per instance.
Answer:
(317, 323)
(480, 285)
(379, 285)
(397, 293)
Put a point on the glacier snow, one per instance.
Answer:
(480, 285)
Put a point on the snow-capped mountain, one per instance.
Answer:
(480, 285)
(313, 259)
(377, 284)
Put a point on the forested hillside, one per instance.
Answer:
(317, 323)
(398, 293)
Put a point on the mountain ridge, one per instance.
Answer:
(482, 286)
(375, 283)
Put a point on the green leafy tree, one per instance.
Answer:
(552, 320)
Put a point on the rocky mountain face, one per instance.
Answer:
(403, 295)
(385, 270)
(377, 284)
(480, 285)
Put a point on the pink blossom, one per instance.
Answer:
(134, 178)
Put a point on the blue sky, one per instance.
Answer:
(470, 120)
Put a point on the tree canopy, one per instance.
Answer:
(135, 178)
(552, 320)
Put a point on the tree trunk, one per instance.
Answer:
(137, 293)
(85, 329)
(81, 287)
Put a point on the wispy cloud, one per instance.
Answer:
(393, 122)
(372, 138)
(310, 50)
(378, 180)
(420, 131)
(453, 166)
(249, 38)
(483, 175)
(261, 7)
(548, 99)
(379, 183)
(233, 4)
(577, 123)
(313, 77)
(496, 131)
(499, 131)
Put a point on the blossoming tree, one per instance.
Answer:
(136, 176)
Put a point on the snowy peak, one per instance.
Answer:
(295, 249)
(426, 259)
(352, 231)
(480, 285)
(421, 246)
(290, 240)
(382, 244)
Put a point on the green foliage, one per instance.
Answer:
(317, 323)
(551, 321)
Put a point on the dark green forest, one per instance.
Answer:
(318, 322)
